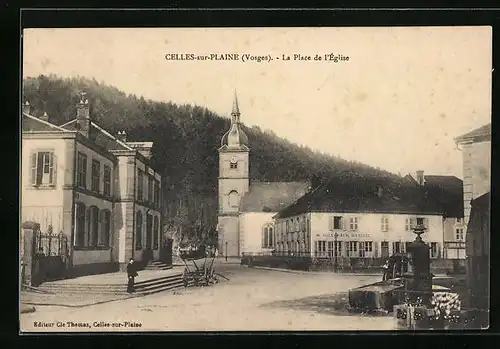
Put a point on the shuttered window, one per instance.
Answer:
(43, 168)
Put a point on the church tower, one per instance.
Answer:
(233, 182)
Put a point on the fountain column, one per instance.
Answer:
(418, 279)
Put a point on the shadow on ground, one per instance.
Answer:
(330, 304)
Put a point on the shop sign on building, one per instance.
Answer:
(348, 235)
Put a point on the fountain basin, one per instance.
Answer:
(382, 295)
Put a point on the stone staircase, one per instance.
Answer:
(157, 265)
(150, 286)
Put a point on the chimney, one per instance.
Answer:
(26, 107)
(122, 136)
(44, 117)
(420, 177)
(83, 115)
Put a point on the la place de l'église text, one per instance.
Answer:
(206, 57)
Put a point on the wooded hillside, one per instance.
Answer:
(186, 139)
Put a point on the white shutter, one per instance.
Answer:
(53, 168)
(330, 223)
(33, 165)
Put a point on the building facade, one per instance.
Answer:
(355, 234)
(352, 221)
(79, 180)
(476, 155)
(476, 151)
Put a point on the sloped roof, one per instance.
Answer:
(483, 131)
(355, 193)
(102, 137)
(448, 191)
(272, 196)
(31, 123)
(482, 203)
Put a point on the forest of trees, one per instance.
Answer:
(186, 139)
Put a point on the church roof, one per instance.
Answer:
(272, 196)
(237, 132)
(235, 137)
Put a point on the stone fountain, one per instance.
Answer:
(415, 284)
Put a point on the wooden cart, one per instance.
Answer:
(199, 270)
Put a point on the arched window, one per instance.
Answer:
(80, 225)
(268, 236)
(93, 226)
(156, 233)
(105, 228)
(234, 199)
(138, 230)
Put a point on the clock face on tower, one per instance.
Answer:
(233, 160)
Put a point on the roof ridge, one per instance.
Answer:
(111, 136)
(45, 122)
(67, 123)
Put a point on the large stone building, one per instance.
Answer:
(359, 219)
(98, 190)
(245, 223)
(476, 154)
(476, 150)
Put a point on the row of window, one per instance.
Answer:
(95, 183)
(337, 222)
(365, 249)
(295, 247)
(153, 188)
(93, 227)
(342, 223)
(152, 231)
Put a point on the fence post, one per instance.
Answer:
(29, 230)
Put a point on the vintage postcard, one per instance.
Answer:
(244, 179)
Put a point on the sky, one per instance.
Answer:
(396, 104)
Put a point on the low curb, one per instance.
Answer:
(78, 305)
(314, 272)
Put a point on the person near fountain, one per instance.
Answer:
(385, 269)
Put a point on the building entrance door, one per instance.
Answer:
(384, 249)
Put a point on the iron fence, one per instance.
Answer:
(51, 244)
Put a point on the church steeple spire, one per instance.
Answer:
(235, 137)
(236, 109)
